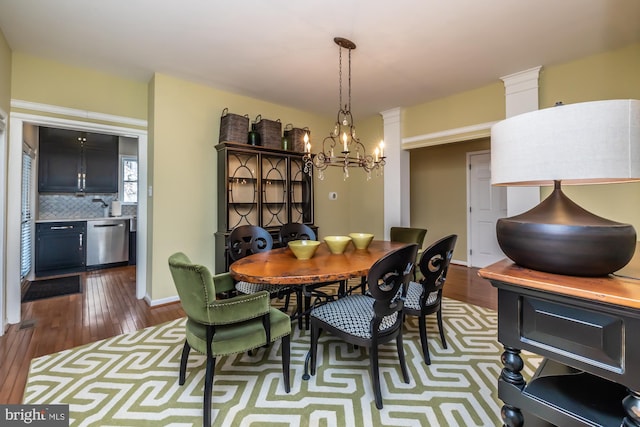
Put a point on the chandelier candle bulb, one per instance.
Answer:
(344, 142)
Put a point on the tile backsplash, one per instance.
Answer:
(65, 206)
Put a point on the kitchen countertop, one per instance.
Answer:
(126, 217)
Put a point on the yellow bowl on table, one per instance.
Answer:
(303, 249)
(337, 244)
(361, 240)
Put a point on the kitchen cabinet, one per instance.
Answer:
(77, 162)
(60, 247)
(259, 186)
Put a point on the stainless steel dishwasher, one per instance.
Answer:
(107, 241)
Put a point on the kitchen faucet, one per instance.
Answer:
(105, 205)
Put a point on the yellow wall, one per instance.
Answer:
(43, 81)
(5, 75)
(185, 129)
(481, 105)
(609, 75)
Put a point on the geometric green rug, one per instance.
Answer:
(132, 380)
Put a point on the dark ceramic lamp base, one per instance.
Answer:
(560, 237)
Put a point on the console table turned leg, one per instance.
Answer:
(631, 405)
(511, 374)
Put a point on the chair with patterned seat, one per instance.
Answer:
(220, 327)
(245, 240)
(368, 321)
(425, 297)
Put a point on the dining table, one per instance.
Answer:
(281, 267)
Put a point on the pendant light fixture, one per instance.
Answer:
(342, 148)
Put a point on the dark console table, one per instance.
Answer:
(588, 331)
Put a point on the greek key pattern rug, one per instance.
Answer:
(132, 380)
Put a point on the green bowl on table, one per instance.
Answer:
(303, 249)
(337, 244)
(361, 240)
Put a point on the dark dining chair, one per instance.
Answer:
(369, 321)
(220, 327)
(295, 231)
(245, 240)
(425, 297)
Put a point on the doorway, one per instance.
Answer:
(485, 205)
(17, 123)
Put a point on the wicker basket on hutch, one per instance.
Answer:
(233, 127)
(270, 132)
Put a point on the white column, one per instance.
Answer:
(521, 96)
(396, 173)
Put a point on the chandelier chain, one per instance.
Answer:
(349, 108)
(340, 76)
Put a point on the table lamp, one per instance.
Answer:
(583, 143)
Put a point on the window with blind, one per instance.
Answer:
(26, 228)
(129, 180)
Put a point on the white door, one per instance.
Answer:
(486, 205)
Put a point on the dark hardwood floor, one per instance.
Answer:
(107, 307)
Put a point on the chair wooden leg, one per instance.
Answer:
(315, 333)
(441, 328)
(375, 375)
(208, 388)
(422, 323)
(403, 362)
(183, 362)
(208, 379)
(307, 308)
(287, 298)
(286, 358)
(300, 308)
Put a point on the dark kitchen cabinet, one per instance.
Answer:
(77, 162)
(60, 247)
(259, 186)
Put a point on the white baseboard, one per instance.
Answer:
(162, 301)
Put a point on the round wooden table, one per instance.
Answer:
(281, 267)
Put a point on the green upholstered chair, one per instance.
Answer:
(368, 321)
(409, 235)
(425, 297)
(220, 327)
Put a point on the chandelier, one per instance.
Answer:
(342, 148)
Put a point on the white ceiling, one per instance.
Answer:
(408, 51)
